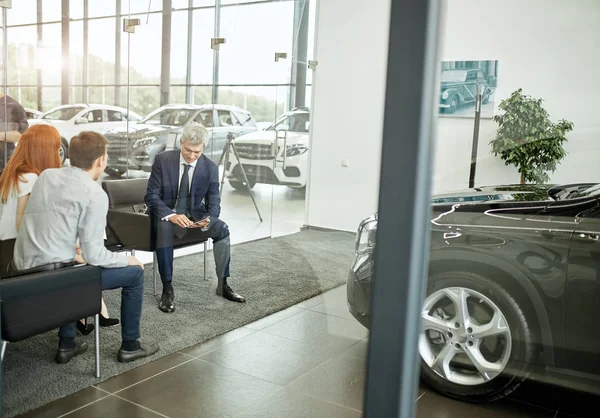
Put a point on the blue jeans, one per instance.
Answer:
(131, 279)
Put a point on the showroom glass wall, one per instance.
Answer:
(513, 276)
(70, 52)
(140, 72)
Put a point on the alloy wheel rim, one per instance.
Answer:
(465, 337)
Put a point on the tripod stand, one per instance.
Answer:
(225, 161)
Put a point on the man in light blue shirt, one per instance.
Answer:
(67, 204)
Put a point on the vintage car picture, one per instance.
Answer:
(460, 83)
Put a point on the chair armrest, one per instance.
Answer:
(131, 230)
(39, 302)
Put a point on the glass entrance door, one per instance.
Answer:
(292, 123)
(245, 100)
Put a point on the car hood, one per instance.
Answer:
(140, 130)
(267, 137)
(493, 194)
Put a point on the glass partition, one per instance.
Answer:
(244, 63)
(513, 276)
(240, 68)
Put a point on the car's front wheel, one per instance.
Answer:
(476, 342)
(453, 104)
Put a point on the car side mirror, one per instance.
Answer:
(82, 120)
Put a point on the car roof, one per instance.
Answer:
(201, 106)
(92, 106)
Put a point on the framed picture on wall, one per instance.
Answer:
(459, 83)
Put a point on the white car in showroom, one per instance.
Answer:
(276, 155)
(71, 119)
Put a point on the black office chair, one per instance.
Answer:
(129, 229)
(39, 300)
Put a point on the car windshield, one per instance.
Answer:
(169, 117)
(590, 191)
(64, 113)
(296, 122)
(454, 75)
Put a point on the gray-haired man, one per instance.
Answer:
(183, 198)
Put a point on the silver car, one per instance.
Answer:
(136, 147)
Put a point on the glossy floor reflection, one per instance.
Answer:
(306, 361)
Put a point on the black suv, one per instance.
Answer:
(513, 289)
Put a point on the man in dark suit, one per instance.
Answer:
(183, 198)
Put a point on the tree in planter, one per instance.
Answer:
(527, 139)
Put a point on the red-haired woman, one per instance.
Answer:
(37, 150)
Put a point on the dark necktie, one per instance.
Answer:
(183, 198)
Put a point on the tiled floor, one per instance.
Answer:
(306, 361)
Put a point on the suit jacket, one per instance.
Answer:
(163, 185)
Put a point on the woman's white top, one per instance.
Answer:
(8, 211)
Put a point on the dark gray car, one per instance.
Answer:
(513, 289)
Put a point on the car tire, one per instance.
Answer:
(114, 172)
(63, 151)
(453, 104)
(514, 350)
(241, 185)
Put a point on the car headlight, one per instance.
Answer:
(294, 150)
(144, 142)
(445, 94)
(365, 238)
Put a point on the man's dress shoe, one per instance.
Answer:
(64, 355)
(145, 350)
(167, 302)
(228, 293)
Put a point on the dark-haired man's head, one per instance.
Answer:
(88, 151)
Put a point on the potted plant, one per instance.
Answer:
(527, 139)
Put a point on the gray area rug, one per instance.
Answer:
(272, 274)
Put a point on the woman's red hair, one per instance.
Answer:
(36, 151)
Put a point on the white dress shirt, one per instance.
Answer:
(182, 163)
